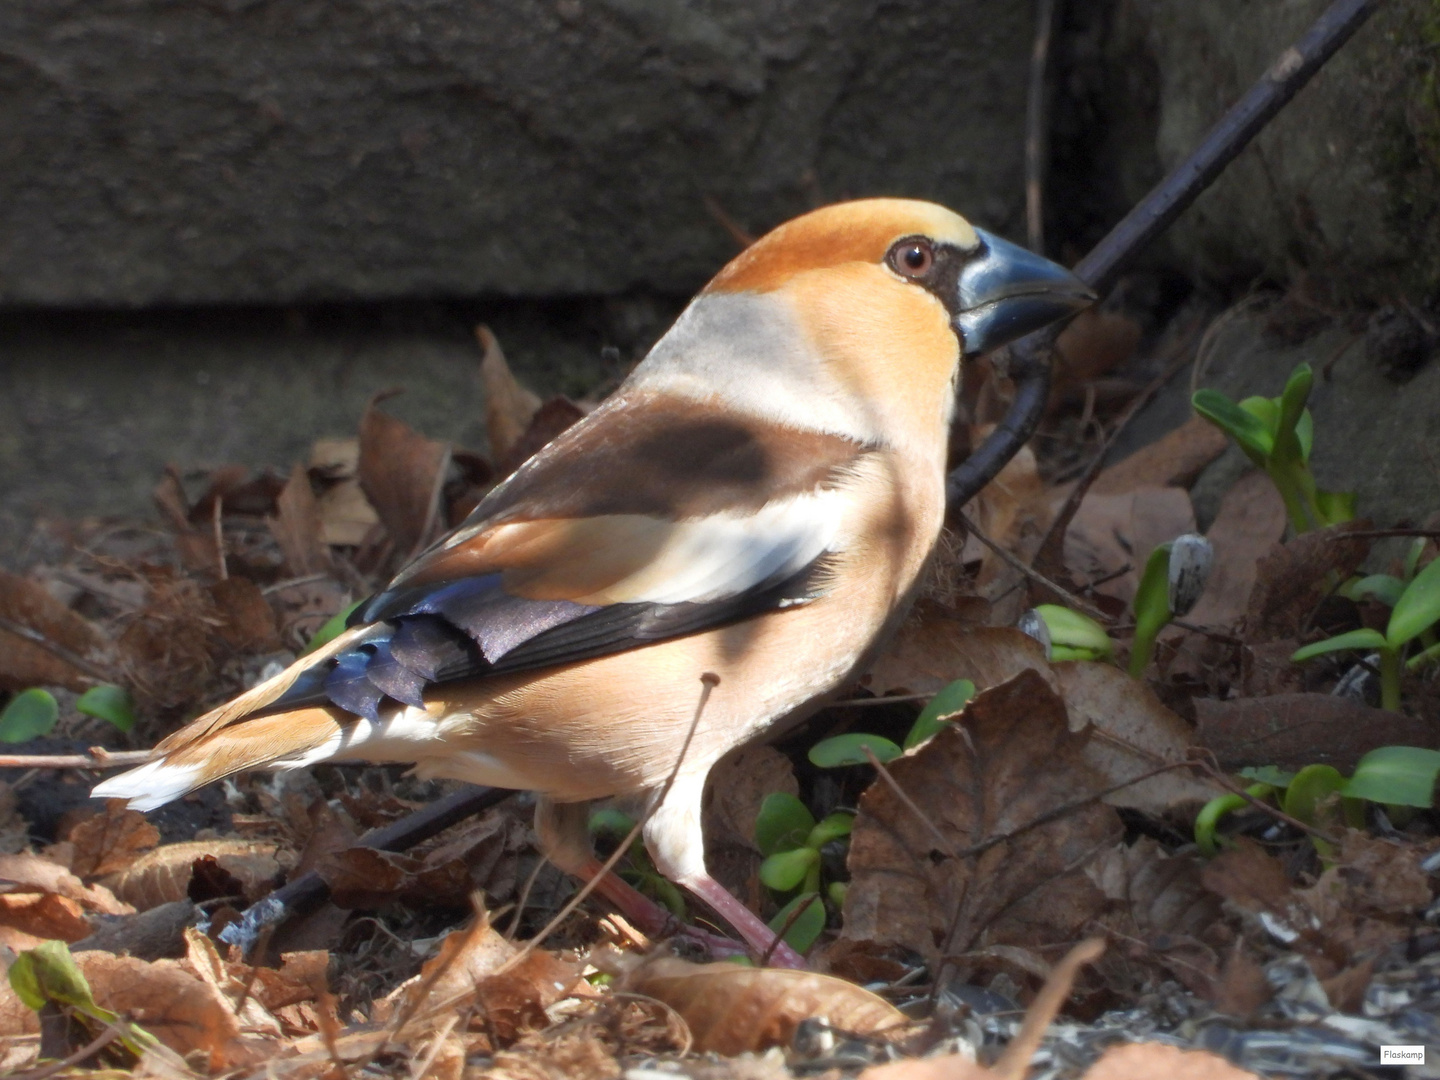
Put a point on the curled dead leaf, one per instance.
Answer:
(732, 1009)
(402, 474)
(163, 875)
(509, 406)
(296, 526)
(1134, 733)
(109, 840)
(1145, 1061)
(932, 652)
(1175, 458)
(1008, 777)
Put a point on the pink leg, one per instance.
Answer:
(757, 935)
(651, 918)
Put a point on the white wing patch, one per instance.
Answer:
(723, 555)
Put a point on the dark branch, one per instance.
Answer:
(1030, 356)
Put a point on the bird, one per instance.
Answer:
(748, 515)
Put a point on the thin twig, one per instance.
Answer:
(89, 1050)
(1378, 533)
(1037, 126)
(909, 804)
(1030, 356)
(35, 637)
(293, 583)
(790, 921)
(1031, 573)
(862, 702)
(215, 524)
(1055, 534)
(97, 758)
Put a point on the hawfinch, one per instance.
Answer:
(756, 502)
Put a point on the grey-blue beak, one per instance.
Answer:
(1006, 291)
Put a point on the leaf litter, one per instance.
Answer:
(1055, 807)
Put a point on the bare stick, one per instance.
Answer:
(97, 758)
(1030, 357)
(1037, 126)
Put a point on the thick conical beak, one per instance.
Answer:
(1006, 291)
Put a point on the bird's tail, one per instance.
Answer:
(282, 740)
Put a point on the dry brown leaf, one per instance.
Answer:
(509, 406)
(1111, 533)
(402, 473)
(1159, 906)
(1011, 761)
(167, 650)
(245, 619)
(930, 652)
(732, 1009)
(1134, 733)
(549, 420)
(346, 516)
(1147, 1061)
(736, 787)
(470, 968)
(1242, 987)
(1295, 576)
(1295, 730)
(27, 919)
(363, 877)
(1250, 522)
(163, 876)
(1014, 510)
(109, 840)
(296, 526)
(27, 873)
(23, 663)
(1176, 458)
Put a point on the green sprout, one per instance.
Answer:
(48, 975)
(1066, 634)
(1175, 576)
(791, 840)
(1277, 434)
(1318, 795)
(112, 704)
(840, 751)
(30, 714)
(1416, 610)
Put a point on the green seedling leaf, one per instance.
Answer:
(1412, 556)
(1305, 799)
(1305, 432)
(664, 891)
(941, 709)
(1420, 659)
(610, 823)
(332, 629)
(836, 826)
(1152, 608)
(1073, 630)
(30, 714)
(849, 749)
(1383, 587)
(1250, 432)
(48, 973)
(1208, 820)
(1065, 652)
(786, 870)
(1268, 774)
(836, 892)
(1417, 609)
(807, 927)
(782, 824)
(1367, 640)
(110, 703)
(1397, 775)
(1291, 404)
(1336, 507)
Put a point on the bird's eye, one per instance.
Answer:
(912, 258)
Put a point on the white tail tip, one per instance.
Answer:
(150, 786)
